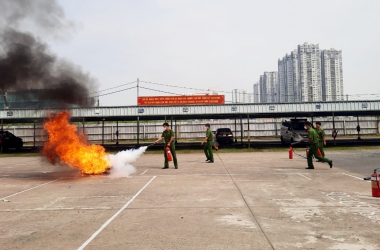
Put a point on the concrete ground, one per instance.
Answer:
(242, 201)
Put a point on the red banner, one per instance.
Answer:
(180, 100)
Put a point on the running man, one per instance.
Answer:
(313, 150)
(321, 137)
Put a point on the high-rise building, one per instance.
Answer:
(269, 84)
(310, 84)
(244, 96)
(282, 78)
(256, 93)
(332, 75)
(309, 74)
(241, 96)
(288, 78)
(261, 87)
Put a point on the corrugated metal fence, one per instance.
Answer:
(195, 129)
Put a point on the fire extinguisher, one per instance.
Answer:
(319, 153)
(290, 153)
(169, 154)
(307, 151)
(375, 183)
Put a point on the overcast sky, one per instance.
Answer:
(218, 44)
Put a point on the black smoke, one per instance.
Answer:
(26, 62)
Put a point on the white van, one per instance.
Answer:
(293, 131)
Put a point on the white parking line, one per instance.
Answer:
(353, 176)
(114, 216)
(304, 176)
(29, 189)
(144, 172)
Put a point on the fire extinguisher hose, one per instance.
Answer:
(299, 154)
(295, 151)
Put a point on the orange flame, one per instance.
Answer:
(69, 147)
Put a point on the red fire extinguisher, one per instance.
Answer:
(290, 153)
(319, 153)
(169, 154)
(375, 183)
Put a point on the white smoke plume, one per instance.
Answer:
(120, 162)
(298, 138)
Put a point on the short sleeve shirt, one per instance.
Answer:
(313, 135)
(167, 135)
(321, 133)
(209, 135)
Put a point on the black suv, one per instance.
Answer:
(224, 135)
(9, 140)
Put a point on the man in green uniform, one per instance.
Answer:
(208, 146)
(168, 136)
(321, 137)
(313, 139)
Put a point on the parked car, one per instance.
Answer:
(293, 131)
(9, 141)
(224, 135)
